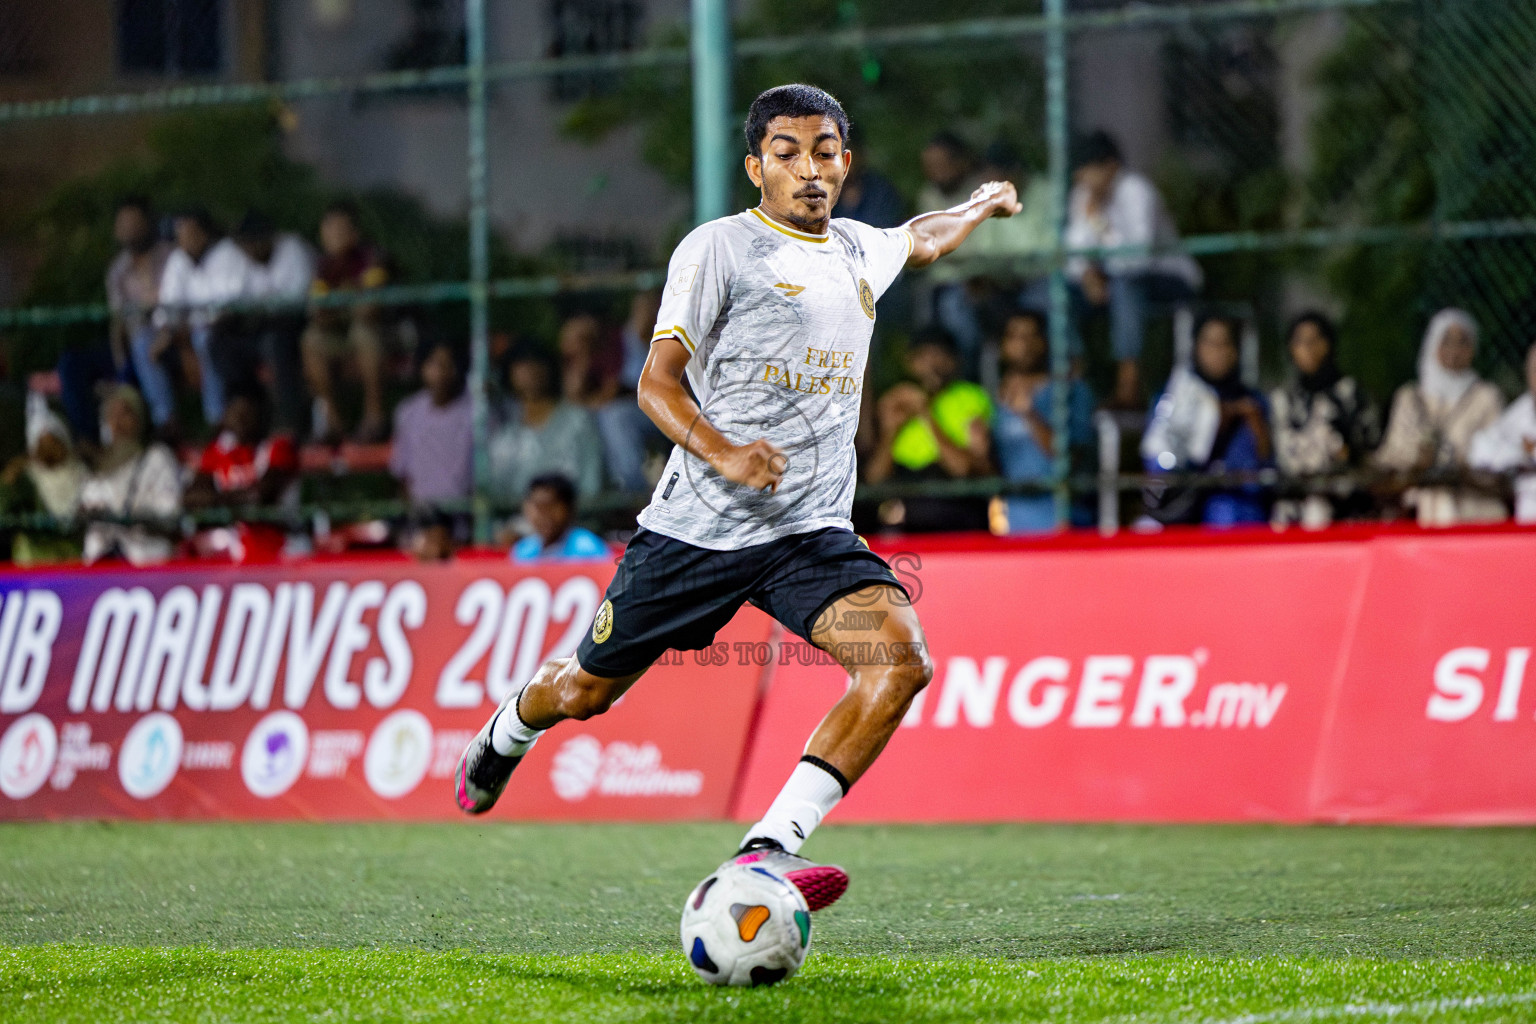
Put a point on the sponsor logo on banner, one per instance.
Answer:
(77, 754)
(1462, 683)
(584, 766)
(150, 755)
(275, 754)
(399, 753)
(27, 753)
(1104, 692)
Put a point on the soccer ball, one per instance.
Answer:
(746, 926)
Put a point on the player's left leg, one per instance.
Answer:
(561, 689)
(875, 635)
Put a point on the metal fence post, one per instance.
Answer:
(710, 43)
(1058, 171)
(479, 263)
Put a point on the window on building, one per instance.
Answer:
(581, 27)
(170, 38)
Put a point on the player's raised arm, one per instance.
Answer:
(940, 233)
(669, 405)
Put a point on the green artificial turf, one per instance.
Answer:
(515, 922)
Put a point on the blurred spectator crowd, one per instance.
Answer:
(237, 365)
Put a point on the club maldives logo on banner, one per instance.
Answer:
(335, 693)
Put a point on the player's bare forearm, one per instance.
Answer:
(940, 233)
(664, 399)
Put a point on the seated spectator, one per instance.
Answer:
(433, 534)
(1111, 206)
(1323, 423)
(133, 287)
(1432, 423)
(635, 337)
(1023, 437)
(542, 434)
(203, 272)
(550, 510)
(935, 429)
(131, 481)
(950, 175)
(589, 377)
(1508, 445)
(1208, 421)
(47, 479)
(347, 263)
(1027, 232)
(433, 455)
(243, 465)
(279, 269)
(870, 197)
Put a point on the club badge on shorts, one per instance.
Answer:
(867, 298)
(602, 626)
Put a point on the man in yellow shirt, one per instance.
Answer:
(933, 428)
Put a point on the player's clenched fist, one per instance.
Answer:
(1003, 197)
(757, 464)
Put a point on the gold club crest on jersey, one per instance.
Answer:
(602, 626)
(867, 298)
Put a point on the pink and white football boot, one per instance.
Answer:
(820, 884)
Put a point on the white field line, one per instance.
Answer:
(1491, 1000)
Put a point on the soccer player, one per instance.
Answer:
(769, 313)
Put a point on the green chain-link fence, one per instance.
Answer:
(1368, 156)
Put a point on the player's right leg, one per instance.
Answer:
(561, 689)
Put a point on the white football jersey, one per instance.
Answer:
(778, 323)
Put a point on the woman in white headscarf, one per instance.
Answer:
(48, 479)
(1433, 420)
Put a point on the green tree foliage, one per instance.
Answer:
(1427, 113)
(898, 97)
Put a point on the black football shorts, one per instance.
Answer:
(668, 595)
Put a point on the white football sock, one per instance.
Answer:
(510, 737)
(813, 789)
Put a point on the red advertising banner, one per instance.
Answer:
(337, 691)
(1376, 676)
(1340, 678)
(1436, 718)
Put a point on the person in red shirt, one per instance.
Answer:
(244, 466)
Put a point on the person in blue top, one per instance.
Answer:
(1023, 437)
(550, 509)
(1207, 421)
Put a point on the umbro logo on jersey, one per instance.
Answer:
(791, 290)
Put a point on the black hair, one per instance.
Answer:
(1002, 154)
(345, 208)
(1232, 324)
(533, 352)
(934, 337)
(255, 226)
(138, 202)
(457, 351)
(565, 491)
(1097, 147)
(792, 101)
(251, 390)
(1322, 321)
(950, 143)
(248, 388)
(1030, 314)
(200, 216)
